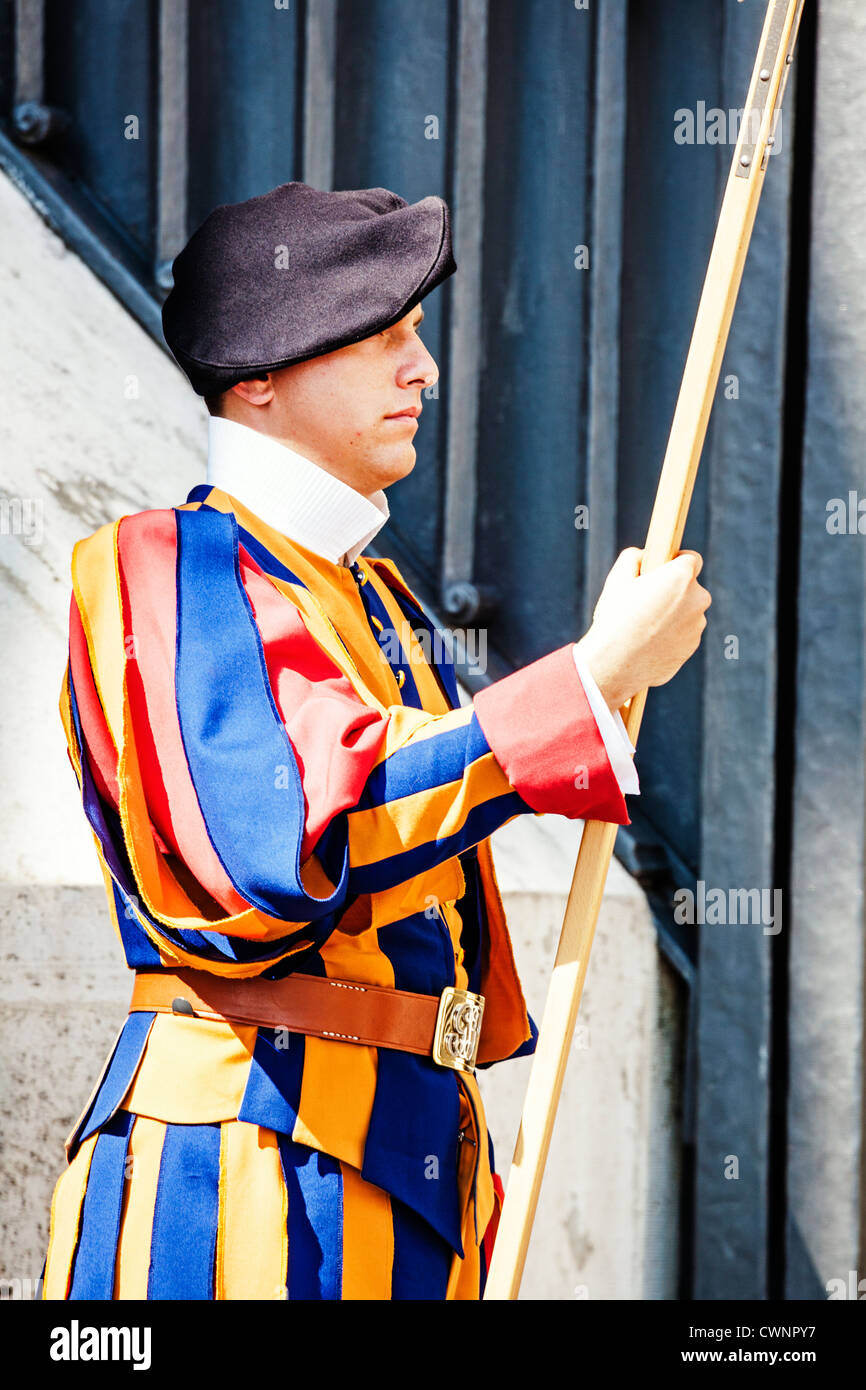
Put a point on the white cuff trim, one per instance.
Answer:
(618, 745)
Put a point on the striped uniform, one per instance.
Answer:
(279, 776)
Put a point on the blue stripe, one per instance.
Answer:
(106, 824)
(388, 639)
(424, 764)
(138, 948)
(94, 809)
(411, 1147)
(422, 1259)
(314, 1184)
(93, 1274)
(185, 1217)
(263, 557)
(218, 946)
(420, 950)
(272, 1095)
(232, 733)
(399, 868)
(265, 560)
(199, 493)
(118, 1077)
(444, 667)
(527, 1048)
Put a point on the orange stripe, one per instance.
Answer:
(407, 724)
(424, 816)
(368, 1238)
(193, 1070)
(337, 1090)
(144, 1155)
(454, 922)
(464, 1281)
(252, 1245)
(95, 585)
(339, 1079)
(485, 1193)
(65, 706)
(444, 883)
(476, 1186)
(66, 1206)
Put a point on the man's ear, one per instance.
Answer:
(258, 391)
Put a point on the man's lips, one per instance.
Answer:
(410, 413)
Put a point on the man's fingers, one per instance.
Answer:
(625, 567)
(627, 563)
(695, 557)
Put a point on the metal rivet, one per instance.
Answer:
(765, 74)
(745, 160)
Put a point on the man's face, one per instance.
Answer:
(353, 411)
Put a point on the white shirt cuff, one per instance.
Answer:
(618, 745)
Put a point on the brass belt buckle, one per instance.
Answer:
(458, 1029)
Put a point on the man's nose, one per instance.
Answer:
(420, 367)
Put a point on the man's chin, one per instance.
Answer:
(398, 466)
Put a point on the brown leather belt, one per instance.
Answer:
(445, 1027)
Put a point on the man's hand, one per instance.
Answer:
(645, 626)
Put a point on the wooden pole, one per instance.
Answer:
(667, 523)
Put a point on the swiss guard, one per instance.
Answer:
(292, 809)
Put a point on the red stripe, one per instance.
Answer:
(99, 747)
(543, 734)
(335, 736)
(147, 556)
(489, 1238)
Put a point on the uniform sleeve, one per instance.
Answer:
(241, 790)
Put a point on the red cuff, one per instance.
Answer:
(542, 732)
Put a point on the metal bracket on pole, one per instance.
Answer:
(757, 131)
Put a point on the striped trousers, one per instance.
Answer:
(231, 1210)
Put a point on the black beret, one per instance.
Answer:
(298, 272)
